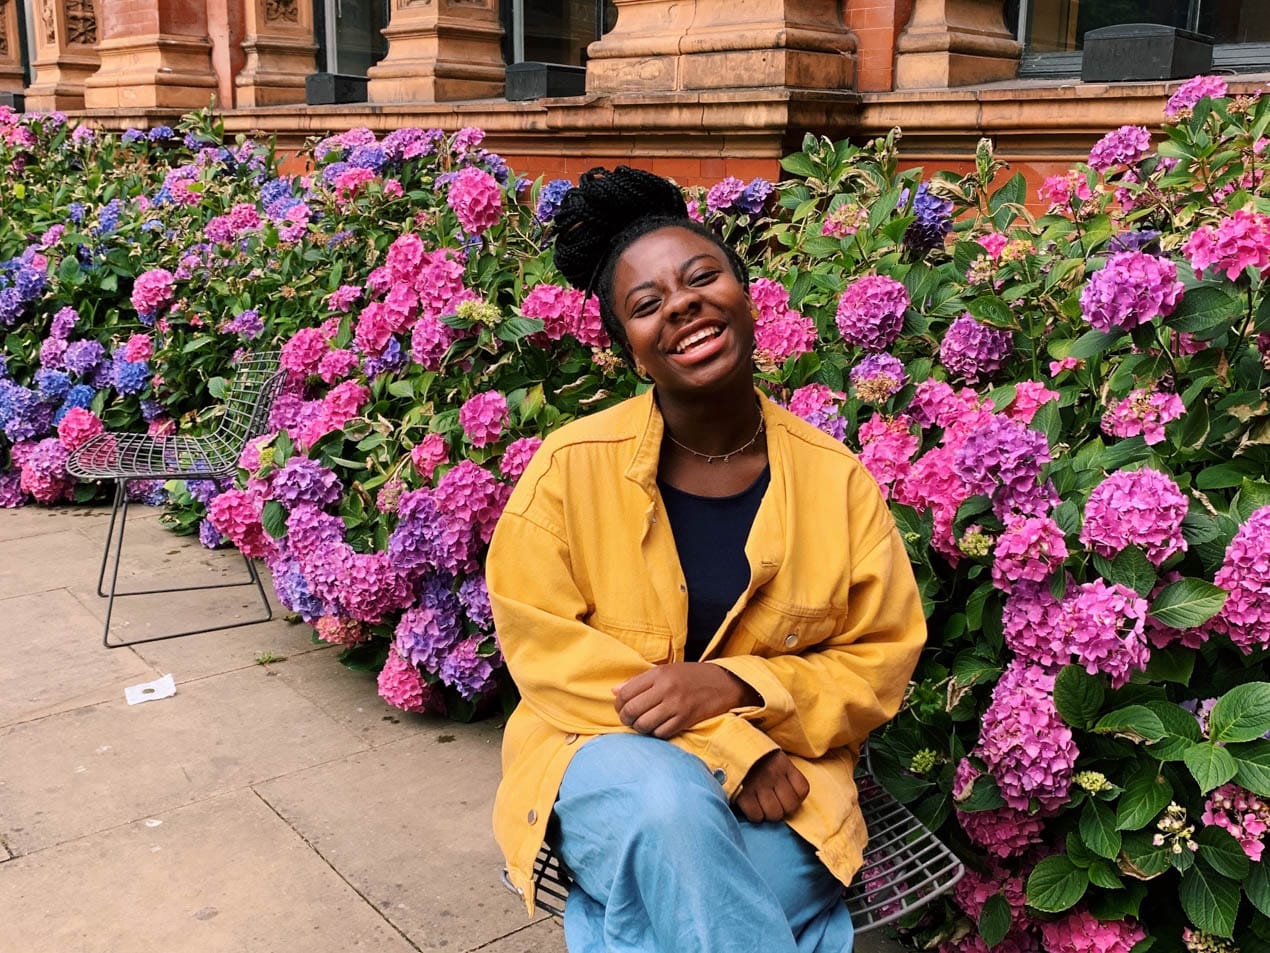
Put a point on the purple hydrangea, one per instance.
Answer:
(1120, 147)
(293, 591)
(23, 415)
(1002, 459)
(871, 312)
(11, 493)
(63, 323)
(303, 480)
(474, 597)
(367, 157)
(878, 378)
(933, 222)
(723, 195)
(1131, 289)
(549, 198)
(12, 306)
(466, 670)
(420, 542)
(212, 538)
(248, 325)
(974, 352)
(431, 628)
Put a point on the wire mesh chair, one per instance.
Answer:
(905, 865)
(127, 457)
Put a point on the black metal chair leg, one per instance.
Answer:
(110, 534)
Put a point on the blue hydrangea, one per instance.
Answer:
(752, 200)
(52, 385)
(130, 377)
(131, 135)
(204, 490)
(474, 597)
(367, 157)
(151, 409)
(4, 367)
(293, 591)
(161, 132)
(108, 217)
(273, 190)
(83, 356)
(25, 415)
(933, 223)
(211, 537)
(550, 197)
(76, 212)
(152, 225)
(391, 359)
(30, 283)
(12, 306)
(496, 166)
(332, 171)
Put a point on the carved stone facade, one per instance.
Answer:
(154, 54)
(81, 22)
(65, 53)
(10, 48)
(282, 11)
(440, 50)
(279, 50)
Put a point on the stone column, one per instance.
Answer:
(669, 45)
(955, 43)
(280, 52)
(63, 54)
(440, 50)
(154, 54)
(11, 78)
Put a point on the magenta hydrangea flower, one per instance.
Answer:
(236, 514)
(1141, 508)
(780, 332)
(1104, 630)
(878, 378)
(78, 427)
(153, 291)
(517, 456)
(1238, 242)
(1082, 932)
(484, 417)
(1145, 411)
(974, 352)
(1002, 459)
(44, 473)
(1030, 549)
(1120, 148)
(555, 306)
(337, 365)
(337, 630)
(820, 406)
(1245, 574)
(976, 887)
(302, 355)
(936, 403)
(401, 685)
(723, 195)
(1035, 625)
(1192, 91)
(1024, 743)
(476, 199)
(430, 453)
(1029, 397)
(1241, 812)
(1003, 832)
(871, 312)
(1131, 289)
(887, 445)
(140, 347)
(473, 499)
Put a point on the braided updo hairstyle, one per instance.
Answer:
(603, 215)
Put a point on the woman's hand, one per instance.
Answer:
(772, 790)
(668, 699)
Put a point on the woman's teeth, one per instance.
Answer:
(694, 339)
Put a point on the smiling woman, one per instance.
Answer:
(706, 607)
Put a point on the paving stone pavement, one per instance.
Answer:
(267, 807)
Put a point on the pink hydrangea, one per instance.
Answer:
(153, 291)
(374, 329)
(992, 243)
(1003, 832)
(845, 220)
(1103, 630)
(1192, 91)
(44, 473)
(1030, 549)
(936, 403)
(1245, 815)
(338, 630)
(476, 199)
(343, 297)
(439, 283)
(1245, 574)
(341, 404)
(932, 484)
(887, 445)
(1029, 397)
(517, 456)
(821, 406)
(473, 499)
(1081, 932)
(1035, 625)
(1141, 508)
(558, 308)
(1060, 190)
(336, 365)
(1145, 411)
(976, 887)
(1016, 941)
(302, 355)
(1238, 242)
(1121, 147)
(140, 347)
(351, 181)
(780, 332)
(401, 685)
(430, 340)
(1131, 289)
(78, 427)
(484, 417)
(871, 312)
(430, 453)
(1024, 743)
(236, 514)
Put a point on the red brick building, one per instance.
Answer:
(696, 90)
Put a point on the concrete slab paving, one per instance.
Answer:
(36, 520)
(226, 875)
(545, 936)
(53, 660)
(420, 847)
(90, 769)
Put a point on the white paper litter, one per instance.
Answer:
(163, 687)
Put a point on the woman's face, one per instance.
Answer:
(687, 318)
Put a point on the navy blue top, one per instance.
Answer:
(710, 534)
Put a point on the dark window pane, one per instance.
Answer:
(1059, 26)
(559, 31)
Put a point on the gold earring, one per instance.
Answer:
(639, 371)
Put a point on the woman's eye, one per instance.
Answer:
(643, 307)
(703, 277)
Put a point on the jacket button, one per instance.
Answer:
(791, 640)
(533, 817)
(721, 776)
(570, 738)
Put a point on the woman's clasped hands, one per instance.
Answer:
(669, 699)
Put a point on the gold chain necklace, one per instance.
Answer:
(725, 457)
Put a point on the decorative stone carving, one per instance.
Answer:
(48, 19)
(406, 4)
(81, 22)
(282, 11)
(4, 30)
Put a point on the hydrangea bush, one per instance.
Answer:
(1067, 413)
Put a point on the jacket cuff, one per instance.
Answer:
(734, 747)
(778, 703)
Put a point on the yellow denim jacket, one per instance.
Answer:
(587, 592)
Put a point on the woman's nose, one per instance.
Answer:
(683, 302)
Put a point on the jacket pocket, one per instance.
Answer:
(653, 643)
(767, 627)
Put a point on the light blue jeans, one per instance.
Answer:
(663, 865)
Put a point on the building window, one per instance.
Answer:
(554, 31)
(1053, 31)
(350, 35)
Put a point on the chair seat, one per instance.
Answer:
(138, 456)
(905, 865)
